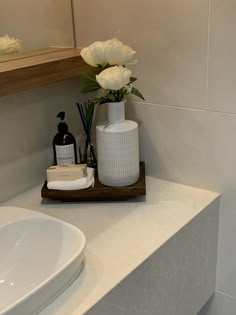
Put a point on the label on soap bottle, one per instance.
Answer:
(65, 154)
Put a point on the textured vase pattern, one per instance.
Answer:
(118, 150)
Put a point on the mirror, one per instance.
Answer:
(37, 24)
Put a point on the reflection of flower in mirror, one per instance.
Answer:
(9, 45)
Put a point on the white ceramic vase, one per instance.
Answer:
(117, 148)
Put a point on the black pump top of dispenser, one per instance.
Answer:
(62, 126)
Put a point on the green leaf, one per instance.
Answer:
(106, 99)
(111, 98)
(89, 110)
(88, 82)
(104, 66)
(89, 76)
(132, 79)
(137, 93)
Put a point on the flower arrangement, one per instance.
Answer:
(9, 45)
(113, 78)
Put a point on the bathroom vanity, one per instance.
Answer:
(150, 255)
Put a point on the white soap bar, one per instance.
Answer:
(66, 172)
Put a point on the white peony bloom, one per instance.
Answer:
(94, 54)
(114, 78)
(116, 53)
(112, 52)
(9, 45)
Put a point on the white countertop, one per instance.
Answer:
(120, 235)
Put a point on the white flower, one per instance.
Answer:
(9, 45)
(112, 52)
(116, 53)
(114, 78)
(94, 54)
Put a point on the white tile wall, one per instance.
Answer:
(186, 56)
(222, 61)
(220, 304)
(187, 145)
(170, 38)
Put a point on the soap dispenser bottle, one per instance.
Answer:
(64, 144)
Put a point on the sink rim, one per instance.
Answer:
(30, 215)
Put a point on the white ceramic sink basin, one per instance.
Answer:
(39, 257)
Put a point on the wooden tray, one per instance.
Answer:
(99, 192)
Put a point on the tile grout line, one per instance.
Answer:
(208, 53)
(168, 106)
(227, 295)
(184, 108)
